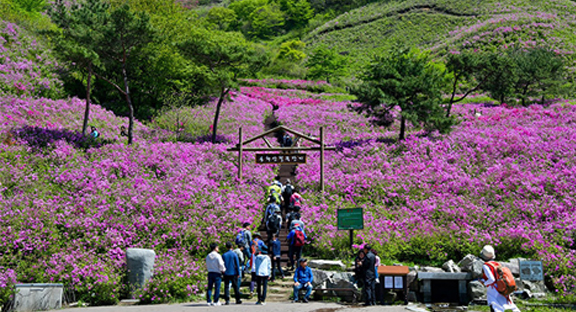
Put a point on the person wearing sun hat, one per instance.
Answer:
(496, 301)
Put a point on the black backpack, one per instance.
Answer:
(287, 141)
(288, 191)
(293, 216)
(274, 223)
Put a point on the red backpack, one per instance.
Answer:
(299, 238)
(505, 283)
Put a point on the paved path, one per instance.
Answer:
(269, 307)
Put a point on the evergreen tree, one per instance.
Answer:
(407, 80)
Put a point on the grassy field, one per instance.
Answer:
(445, 25)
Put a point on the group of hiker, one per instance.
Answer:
(261, 258)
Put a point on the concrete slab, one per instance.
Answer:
(269, 307)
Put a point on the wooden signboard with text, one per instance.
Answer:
(283, 159)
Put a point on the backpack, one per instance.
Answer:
(288, 191)
(274, 223)
(287, 141)
(299, 238)
(505, 283)
(240, 239)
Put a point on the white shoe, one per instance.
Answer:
(210, 304)
(263, 303)
(217, 304)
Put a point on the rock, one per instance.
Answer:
(472, 264)
(326, 264)
(476, 290)
(38, 297)
(140, 266)
(343, 280)
(451, 267)
(431, 270)
(411, 297)
(412, 281)
(513, 265)
(390, 297)
(533, 286)
(321, 277)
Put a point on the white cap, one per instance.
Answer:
(488, 253)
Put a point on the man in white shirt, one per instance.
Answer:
(215, 267)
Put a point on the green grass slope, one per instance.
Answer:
(445, 25)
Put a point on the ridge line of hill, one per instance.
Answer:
(421, 7)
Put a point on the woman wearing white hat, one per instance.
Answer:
(496, 301)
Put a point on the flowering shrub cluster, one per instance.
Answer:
(26, 68)
(68, 215)
(503, 178)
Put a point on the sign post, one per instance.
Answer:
(351, 219)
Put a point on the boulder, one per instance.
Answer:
(431, 270)
(451, 267)
(472, 264)
(412, 281)
(476, 290)
(343, 280)
(140, 266)
(533, 286)
(326, 264)
(513, 265)
(390, 296)
(321, 277)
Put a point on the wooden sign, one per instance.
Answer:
(286, 159)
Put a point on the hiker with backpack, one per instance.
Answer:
(270, 209)
(276, 257)
(287, 140)
(296, 199)
(287, 192)
(499, 282)
(297, 239)
(296, 221)
(244, 238)
(274, 224)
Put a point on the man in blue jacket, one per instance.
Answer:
(303, 279)
(232, 264)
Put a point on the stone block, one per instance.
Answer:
(476, 290)
(38, 297)
(430, 269)
(140, 266)
(443, 276)
(326, 264)
(472, 264)
(321, 277)
(450, 266)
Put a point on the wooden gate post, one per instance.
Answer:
(240, 159)
(322, 160)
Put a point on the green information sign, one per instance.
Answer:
(350, 219)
